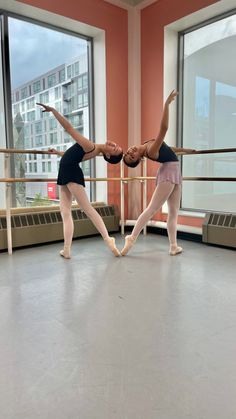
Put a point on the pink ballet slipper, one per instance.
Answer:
(129, 242)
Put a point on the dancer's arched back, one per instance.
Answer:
(71, 181)
(168, 182)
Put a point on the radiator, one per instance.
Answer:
(45, 225)
(219, 229)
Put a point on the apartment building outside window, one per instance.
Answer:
(44, 83)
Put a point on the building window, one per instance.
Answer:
(30, 103)
(85, 81)
(31, 116)
(80, 101)
(53, 138)
(85, 99)
(58, 106)
(76, 65)
(57, 93)
(62, 75)
(207, 113)
(27, 130)
(24, 92)
(69, 71)
(52, 123)
(38, 127)
(36, 86)
(44, 97)
(27, 142)
(80, 82)
(76, 120)
(52, 80)
(38, 140)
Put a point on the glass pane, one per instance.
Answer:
(215, 196)
(2, 136)
(209, 110)
(41, 75)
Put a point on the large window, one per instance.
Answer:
(39, 75)
(208, 112)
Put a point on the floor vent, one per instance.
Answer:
(46, 226)
(220, 229)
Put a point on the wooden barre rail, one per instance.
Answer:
(214, 151)
(92, 179)
(21, 151)
(123, 179)
(202, 178)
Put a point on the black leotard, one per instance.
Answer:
(166, 154)
(69, 168)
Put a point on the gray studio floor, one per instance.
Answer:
(147, 336)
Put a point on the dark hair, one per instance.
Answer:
(113, 159)
(133, 163)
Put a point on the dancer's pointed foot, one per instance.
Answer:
(65, 253)
(175, 250)
(129, 242)
(110, 241)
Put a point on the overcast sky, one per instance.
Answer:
(34, 50)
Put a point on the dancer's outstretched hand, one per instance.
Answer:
(171, 97)
(46, 107)
(53, 150)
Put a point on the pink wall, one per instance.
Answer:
(153, 20)
(114, 21)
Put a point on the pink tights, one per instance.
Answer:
(165, 191)
(78, 191)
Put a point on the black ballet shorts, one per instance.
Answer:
(70, 173)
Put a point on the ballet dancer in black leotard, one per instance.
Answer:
(168, 182)
(71, 181)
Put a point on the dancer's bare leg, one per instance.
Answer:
(68, 225)
(159, 197)
(78, 191)
(173, 203)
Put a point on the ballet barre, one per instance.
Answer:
(122, 179)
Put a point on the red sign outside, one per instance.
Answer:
(52, 190)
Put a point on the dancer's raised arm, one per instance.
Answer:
(154, 146)
(86, 144)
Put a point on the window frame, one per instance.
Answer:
(180, 89)
(4, 16)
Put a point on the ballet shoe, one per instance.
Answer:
(110, 241)
(175, 251)
(65, 253)
(129, 242)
